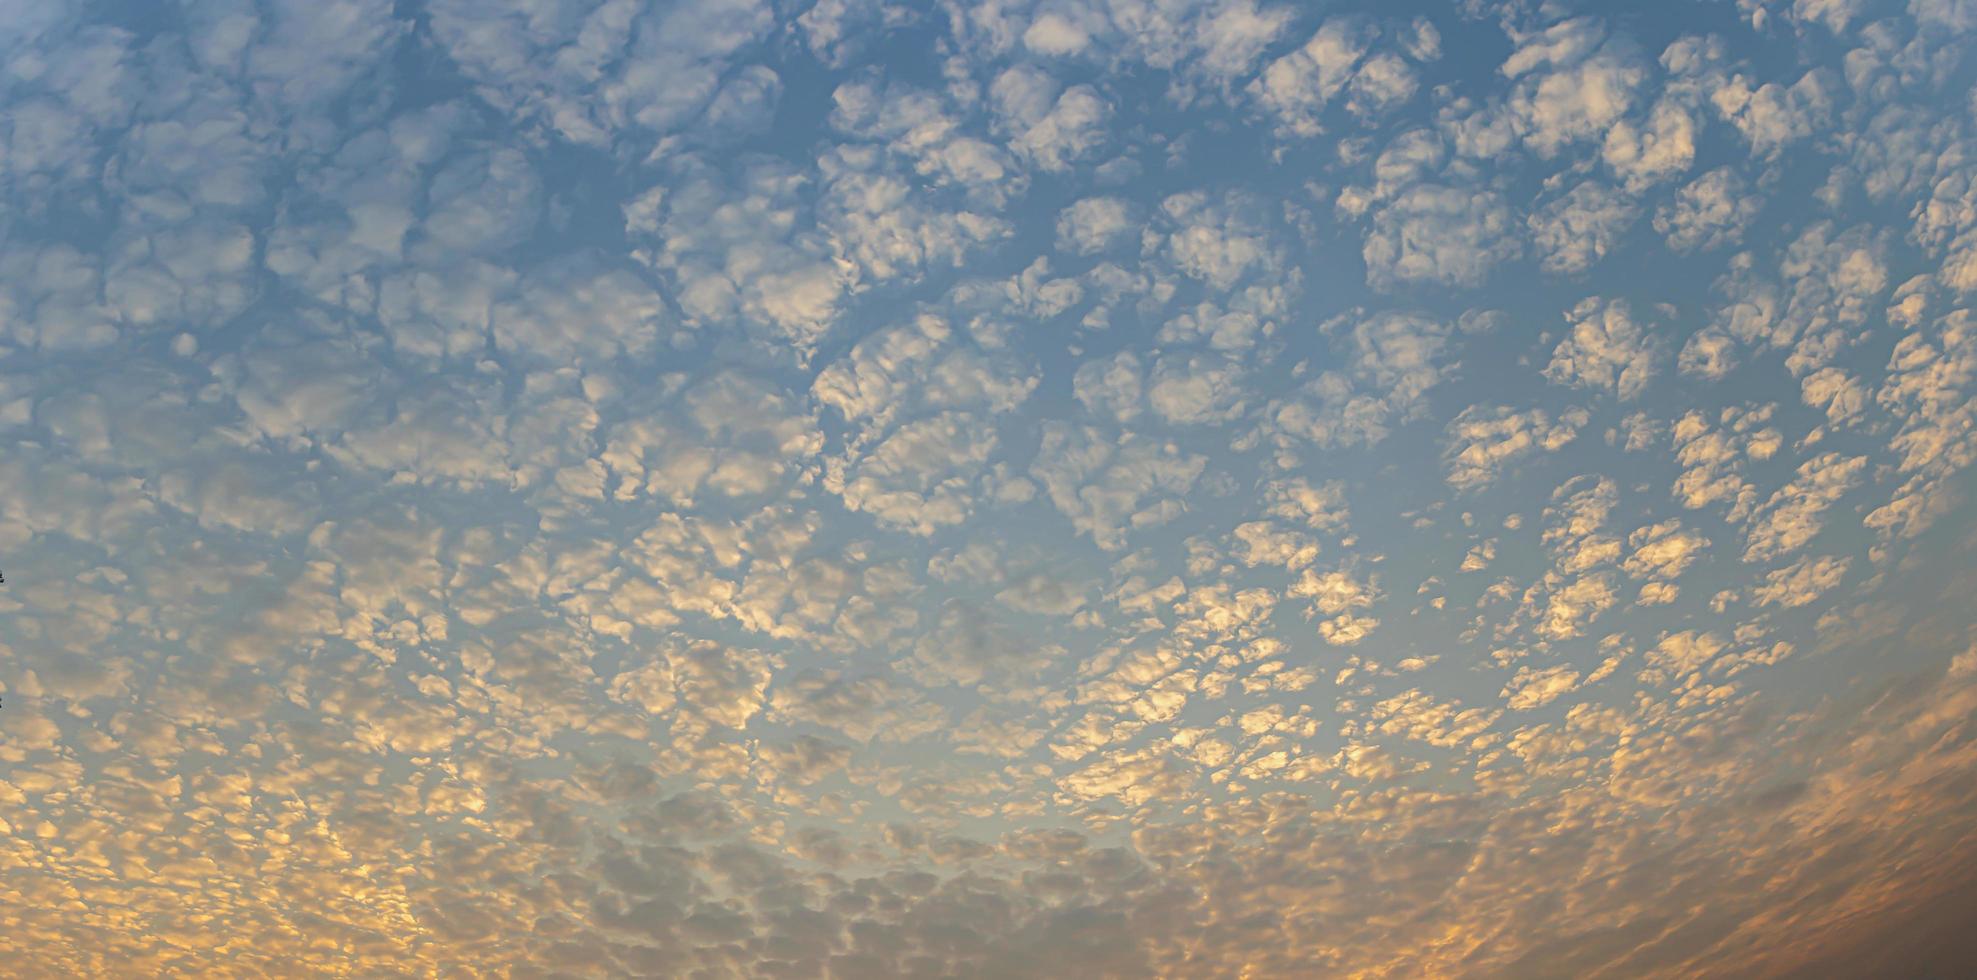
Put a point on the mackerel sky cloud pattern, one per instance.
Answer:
(1032, 488)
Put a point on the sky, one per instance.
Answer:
(1035, 488)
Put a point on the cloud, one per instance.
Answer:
(968, 645)
(1792, 516)
(1108, 487)
(1389, 363)
(575, 310)
(1537, 688)
(1339, 58)
(1605, 349)
(1579, 227)
(921, 476)
(862, 488)
(1772, 116)
(1051, 34)
(1339, 598)
(1659, 149)
(1438, 234)
(1801, 582)
(1663, 550)
(737, 255)
(1095, 224)
(1708, 213)
(1681, 654)
(861, 706)
(1049, 125)
(1112, 386)
(599, 76)
(1713, 455)
(726, 435)
(1196, 389)
(919, 366)
(1572, 85)
(1481, 441)
(1220, 242)
(880, 229)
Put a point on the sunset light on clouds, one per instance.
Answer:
(1025, 488)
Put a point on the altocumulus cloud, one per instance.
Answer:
(1048, 488)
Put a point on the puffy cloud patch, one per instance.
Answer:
(1801, 582)
(596, 74)
(1605, 349)
(1482, 441)
(1440, 234)
(1108, 486)
(1708, 213)
(1573, 84)
(1580, 226)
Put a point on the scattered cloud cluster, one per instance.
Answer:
(1041, 488)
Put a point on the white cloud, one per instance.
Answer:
(1713, 454)
(1708, 213)
(899, 371)
(1196, 389)
(597, 76)
(880, 228)
(1794, 514)
(1708, 353)
(1605, 349)
(1571, 86)
(1772, 116)
(1049, 125)
(1433, 233)
(1801, 582)
(739, 254)
(954, 445)
(579, 309)
(1095, 224)
(1297, 86)
(1109, 486)
(922, 476)
(1533, 688)
(482, 202)
(1482, 441)
(1395, 359)
(1658, 149)
(1220, 241)
(729, 433)
(968, 646)
(1680, 654)
(1663, 550)
(1051, 34)
(1111, 386)
(1579, 227)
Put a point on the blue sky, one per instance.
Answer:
(1102, 487)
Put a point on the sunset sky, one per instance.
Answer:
(1034, 488)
